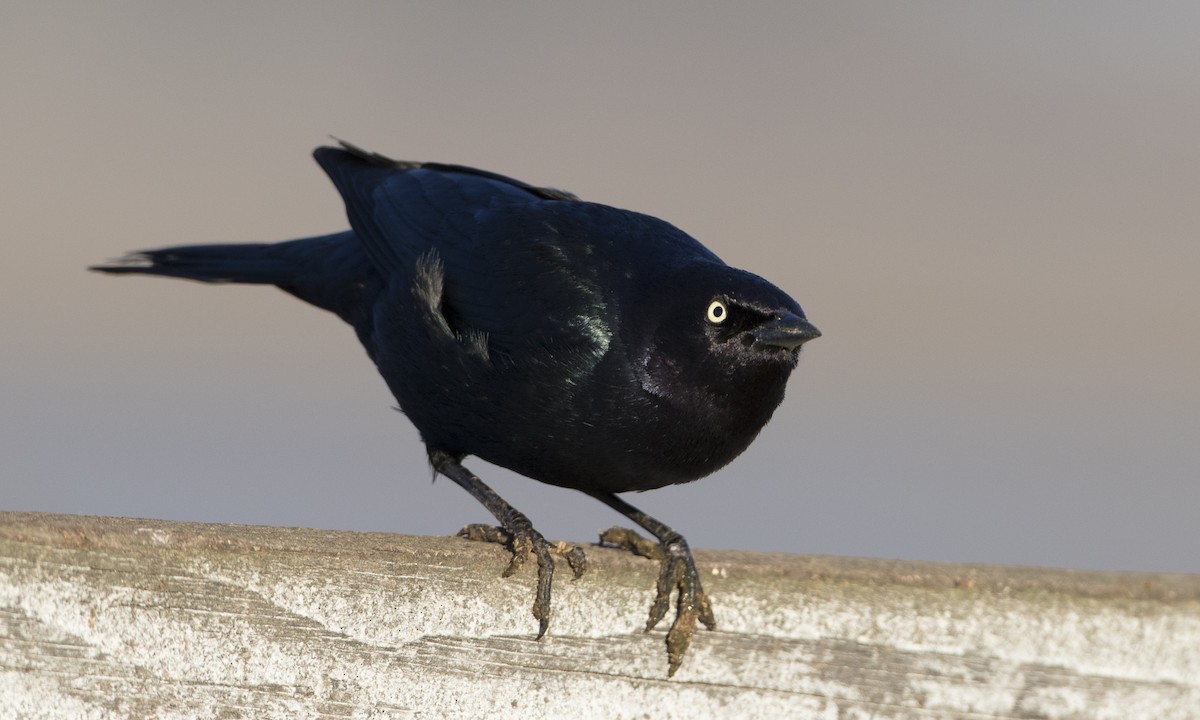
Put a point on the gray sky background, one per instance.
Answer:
(990, 209)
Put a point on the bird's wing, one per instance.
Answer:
(399, 208)
(518, 259)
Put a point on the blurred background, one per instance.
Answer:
(990, 210)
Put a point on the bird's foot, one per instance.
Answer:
(678, 573)
(523, 541)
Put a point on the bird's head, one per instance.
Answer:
(720, 339)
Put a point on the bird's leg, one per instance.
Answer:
(515, 531)
(678, 572)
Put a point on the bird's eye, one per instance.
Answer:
(717, 312)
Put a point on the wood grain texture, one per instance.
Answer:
(119, 618)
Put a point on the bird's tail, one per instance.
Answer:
(241, 263)
(329, 271)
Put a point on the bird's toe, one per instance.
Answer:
(524, 541)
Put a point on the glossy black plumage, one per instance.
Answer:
(577, 344)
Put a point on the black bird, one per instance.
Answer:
(577, 344)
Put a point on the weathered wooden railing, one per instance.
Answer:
(106, 617)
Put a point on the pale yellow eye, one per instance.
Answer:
(717, 312)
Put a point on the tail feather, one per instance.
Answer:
(329, 271)
(243, 263)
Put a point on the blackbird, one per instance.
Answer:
(574, 343)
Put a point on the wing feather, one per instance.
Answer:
(510, 271)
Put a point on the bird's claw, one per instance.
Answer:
(629, 540)
(523, 542)
(677, 573)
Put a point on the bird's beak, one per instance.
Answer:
(788, 330)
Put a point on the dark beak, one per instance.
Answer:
(788, 330)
